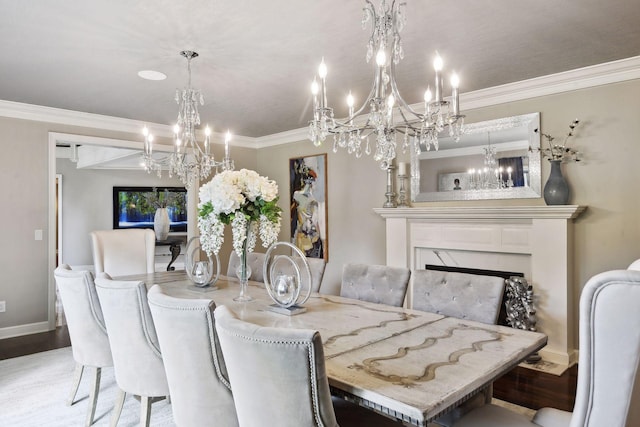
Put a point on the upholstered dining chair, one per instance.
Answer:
(255, 260)
(461, 295)
(137, 360)
(608, 392)
(123, 252)
(279, 375)
(89, 341)
(380, 284)
(196, 372)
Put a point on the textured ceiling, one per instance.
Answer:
(257, 57)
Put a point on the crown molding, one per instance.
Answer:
(581, 78)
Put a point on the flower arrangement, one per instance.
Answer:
(244, 199)
(560, 151)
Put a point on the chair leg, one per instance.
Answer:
(77, 376)
(93, 396)
(145, 410)
(117, 408)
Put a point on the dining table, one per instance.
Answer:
(410, 365)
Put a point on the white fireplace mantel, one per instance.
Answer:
(534, 240)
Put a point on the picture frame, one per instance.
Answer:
(135, 207)
(447, 181)
(308, 205)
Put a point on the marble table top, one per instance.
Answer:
(409, 364)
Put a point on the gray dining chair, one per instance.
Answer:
(380, 284)
(465, 296)
(123, 252)
(278, 377)
(255, 260)
(88, 334)
(134, 344)
(608, 390)
(193, 361)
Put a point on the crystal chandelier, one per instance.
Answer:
(389, 116)
(189, 161)
(491, 176)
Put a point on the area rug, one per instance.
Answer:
(34, 390)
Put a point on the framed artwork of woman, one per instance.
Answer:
(308, 201)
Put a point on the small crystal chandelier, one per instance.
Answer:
(188, 161)
(491, 176)
(389, 117)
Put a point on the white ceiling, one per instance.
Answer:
(257, 57)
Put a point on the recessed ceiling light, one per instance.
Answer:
(152, 75)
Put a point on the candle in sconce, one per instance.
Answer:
(509, 172)
(402, 169)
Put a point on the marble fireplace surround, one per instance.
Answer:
(534, 240)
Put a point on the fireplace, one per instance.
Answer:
(533, 240)
(502, 317)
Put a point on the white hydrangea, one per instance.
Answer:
(229, 193)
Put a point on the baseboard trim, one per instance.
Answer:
(28, 329)
(560, 358)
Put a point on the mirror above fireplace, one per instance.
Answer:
(494, 159)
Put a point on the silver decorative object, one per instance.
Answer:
(402, 197)
(521, 313)
(391, 192)
(203, 273)
(287, 279)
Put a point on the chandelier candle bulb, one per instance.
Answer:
(350, 102)
(437, 66)
(322, 72)
(455, 97)
(227, 138)
(207, 141)
(427, 99)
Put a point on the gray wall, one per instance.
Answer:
(88, 204)
(606, 235)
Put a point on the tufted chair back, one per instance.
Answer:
(256, 262)
(375, 283)
(277, 375)
(136, 352)
(89, 340)
(124, 252)
(608, 391)
(196, 371)
(465, 296)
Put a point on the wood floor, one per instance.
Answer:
(524, 387)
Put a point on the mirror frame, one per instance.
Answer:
(529, 121)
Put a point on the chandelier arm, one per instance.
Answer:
(399, 98)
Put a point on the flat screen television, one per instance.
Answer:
(135, 207)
